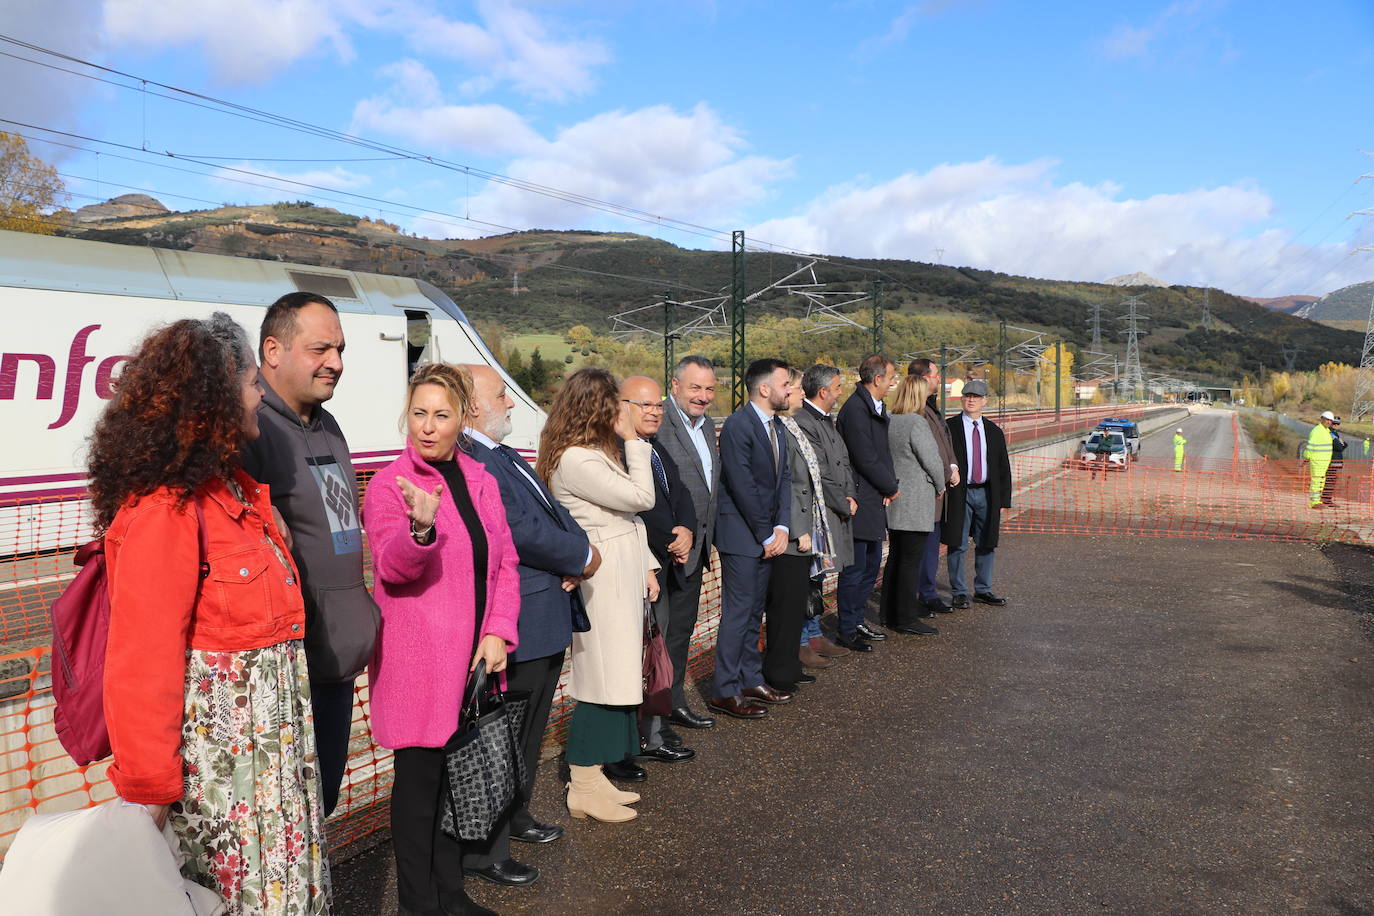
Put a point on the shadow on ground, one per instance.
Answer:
(1152, 726)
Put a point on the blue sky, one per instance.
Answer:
(1203, 141)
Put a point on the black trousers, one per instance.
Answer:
(788, 592)
(429, 863)
(540, 677)
(331, 704)
(900, 603)
(677, 632)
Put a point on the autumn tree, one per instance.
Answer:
(29, 188)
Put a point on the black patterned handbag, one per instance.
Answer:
(483, 761)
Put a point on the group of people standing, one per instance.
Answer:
(240, 619)
(806, 491)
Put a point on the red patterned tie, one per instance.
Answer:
(977, 457)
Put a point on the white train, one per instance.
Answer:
(72, 311)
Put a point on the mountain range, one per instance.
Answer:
(546, 281)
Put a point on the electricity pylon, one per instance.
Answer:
(1133, 377)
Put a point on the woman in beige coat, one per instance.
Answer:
(580, 458)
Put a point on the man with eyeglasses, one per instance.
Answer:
(670, 525)
(975, 505)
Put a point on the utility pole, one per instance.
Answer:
(939, 256)
(1095, 322)
(669, 340)
(877, 316)
(1207, 309)
(944, 382)
(1058, 361)
(1135, 378)
(1002, 370)
(1290, 357)
(1362, 405)
(737, 295)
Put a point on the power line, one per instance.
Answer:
(186, 96)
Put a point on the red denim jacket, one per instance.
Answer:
(160, 608)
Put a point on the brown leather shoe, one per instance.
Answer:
(810, 658)
(737, 706)
(767, 694)
(825, 647)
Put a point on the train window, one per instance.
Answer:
(331, 286)
(420, 344)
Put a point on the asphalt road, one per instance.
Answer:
(1209, 435)
(1152, 726)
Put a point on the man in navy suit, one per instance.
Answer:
(752, 528)
(669, 525)
(554, 556)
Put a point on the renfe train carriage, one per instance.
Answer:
(72, 311)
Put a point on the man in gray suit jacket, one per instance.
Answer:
(821, 385)
(688, 435)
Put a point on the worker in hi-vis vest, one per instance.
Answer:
(1317, 453)
(1179, 443)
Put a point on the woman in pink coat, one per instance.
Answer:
(446, 581)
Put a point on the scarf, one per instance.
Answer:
(823, 556)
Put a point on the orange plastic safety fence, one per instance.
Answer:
(1253, 499)
(1218, 498)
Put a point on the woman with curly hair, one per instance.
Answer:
(206, 696)
(596, 466)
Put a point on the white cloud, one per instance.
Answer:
(412, 108)
(252, 41)
(39, 95)
(1137, 41)
(1016, 219)
(268, 184)
(513, 46)
(246, 41)
(689, 166)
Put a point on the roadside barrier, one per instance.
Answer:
(1226, 498)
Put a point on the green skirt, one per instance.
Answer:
(601, 734)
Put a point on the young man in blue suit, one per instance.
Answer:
(752, 528)
(554, 556)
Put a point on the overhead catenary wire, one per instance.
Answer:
(202, 100)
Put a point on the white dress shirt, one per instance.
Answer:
(697, 433)
(969, 423)
(768, 434)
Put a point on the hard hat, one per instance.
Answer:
(1328, 415)
(1179, 430)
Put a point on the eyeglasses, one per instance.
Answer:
(645, 405)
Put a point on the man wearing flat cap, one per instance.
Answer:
(974, 507)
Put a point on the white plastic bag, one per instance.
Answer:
(109, 859)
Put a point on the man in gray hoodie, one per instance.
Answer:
(303, 457)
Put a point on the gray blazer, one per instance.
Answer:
(837, 478)
(677, 442)
(803, 499)
(916, 459)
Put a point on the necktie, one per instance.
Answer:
(659, 473)
(977, 457)
(776, 443)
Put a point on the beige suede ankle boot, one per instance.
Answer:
(587, 797)
(609, 791)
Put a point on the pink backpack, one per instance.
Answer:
(80, 631)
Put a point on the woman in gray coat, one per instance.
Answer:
(911, 513)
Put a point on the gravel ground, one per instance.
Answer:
(1152, 726)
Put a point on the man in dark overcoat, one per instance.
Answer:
(862, 423)
(974, 507)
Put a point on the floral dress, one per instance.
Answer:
(250, 821)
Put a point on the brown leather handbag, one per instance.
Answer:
(658, 669)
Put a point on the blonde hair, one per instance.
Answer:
(455, 380)
(911, 395)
